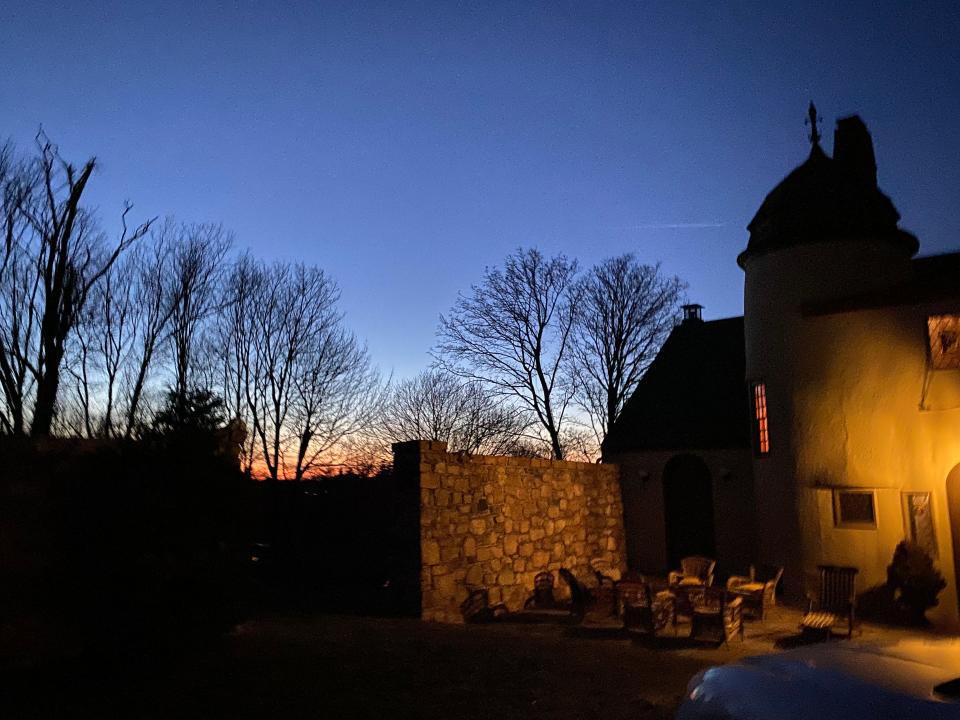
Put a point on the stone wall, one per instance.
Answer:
(496, 522)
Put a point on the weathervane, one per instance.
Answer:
(812, 120)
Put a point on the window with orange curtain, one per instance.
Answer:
(761, 433)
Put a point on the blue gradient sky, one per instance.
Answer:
(404, 146)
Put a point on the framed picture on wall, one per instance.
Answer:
(918, 521)
(943, 332)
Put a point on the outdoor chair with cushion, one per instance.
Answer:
(835, 601)
(694, 570)
(644, 610)
(717, 615)
(759, 590)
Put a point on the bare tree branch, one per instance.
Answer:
(626, 311)
(512, 334)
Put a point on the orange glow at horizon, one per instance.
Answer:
(334, 462)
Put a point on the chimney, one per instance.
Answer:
(691, 314)
(853, 150)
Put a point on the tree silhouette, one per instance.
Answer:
(436, 405)
(194, 411)
(59, 256)
(512, 333)
(625, 312)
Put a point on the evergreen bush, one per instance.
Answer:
(914, 580)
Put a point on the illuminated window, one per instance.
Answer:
(854, 509)
(919, 521)
(943, 332)
(761, 434)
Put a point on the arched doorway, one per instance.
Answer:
(688, 508)
(953, 504)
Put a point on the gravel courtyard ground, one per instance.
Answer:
(351, 667)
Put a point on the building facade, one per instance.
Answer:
(851, 378)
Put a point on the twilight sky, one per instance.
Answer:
(404, 146)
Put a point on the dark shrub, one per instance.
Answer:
(914, 580)
(123, 546)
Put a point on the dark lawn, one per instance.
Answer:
(349, 667)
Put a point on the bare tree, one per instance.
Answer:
(80, 358)
(154, 303)
(19, 288)
(67, 254)
(293, 372)
(99, 353)
(436, 405)
(626, 310)
(278, 315)
(18, 183)
(512, 333)
(235, 349)
(197, 270)
(19, 334)
(337, 393)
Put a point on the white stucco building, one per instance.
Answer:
(850, 392)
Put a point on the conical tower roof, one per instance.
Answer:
(828, 199)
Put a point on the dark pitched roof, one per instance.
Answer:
(692, 396)
(829, 199)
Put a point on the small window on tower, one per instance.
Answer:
(943, 332)
(854, 509)
(761, 433)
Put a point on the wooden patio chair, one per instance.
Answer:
(543, 597)
(579, 594)
(645, 611)
(835, 601)
(477, 608)
(605, 594)
(694, 570)
(715, 612)
(545, 606)
(759, 589)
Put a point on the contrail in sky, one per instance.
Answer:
(681, 225)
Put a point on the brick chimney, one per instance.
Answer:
(853, 150)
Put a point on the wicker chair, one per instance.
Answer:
(759, 590)
(580, 596)
(477, 608)
(715, 612)
(605, 594)
(694, 570)
(645, 611)
(836, 601)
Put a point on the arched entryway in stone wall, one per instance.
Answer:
(953, 504)
(688, 508)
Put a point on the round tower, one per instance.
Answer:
(825, 232)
